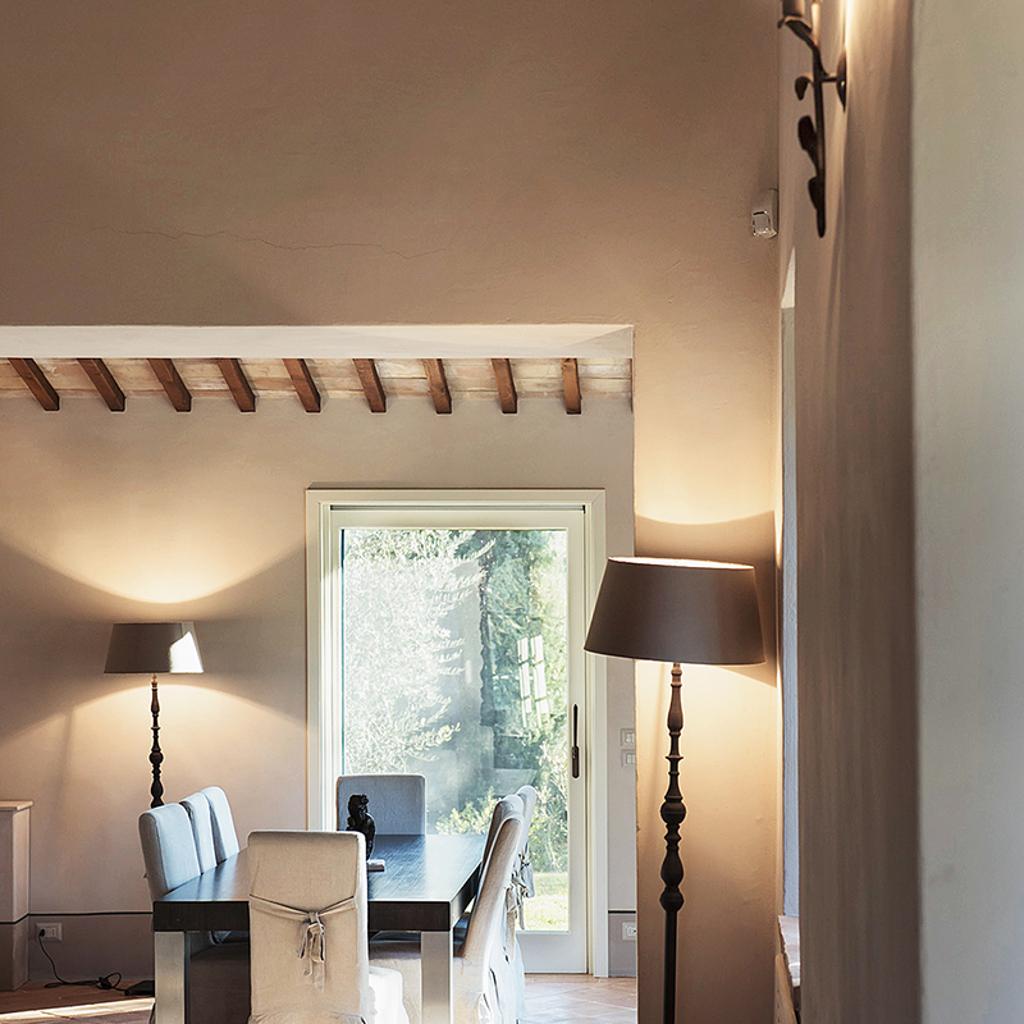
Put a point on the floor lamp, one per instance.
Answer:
(154, 648)
(673, 610)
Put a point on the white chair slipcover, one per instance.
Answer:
(200, 817)
(524, 888)
(225, 839)
(484, 993)
(308, 927)
(398, 803)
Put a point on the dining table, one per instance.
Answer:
(427, 884)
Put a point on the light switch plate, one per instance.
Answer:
(627, 738)
(629, 759)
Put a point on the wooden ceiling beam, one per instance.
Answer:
(438, 381)
(104, 383)
(170, 380)
(302, 381)
(238, 384)
(506, 385)
(571, 387)
(35, 380)
(369, 378)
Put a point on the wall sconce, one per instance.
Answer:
(811, 130)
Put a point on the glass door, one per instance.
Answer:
(459, 656)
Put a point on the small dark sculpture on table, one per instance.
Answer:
(360, 820)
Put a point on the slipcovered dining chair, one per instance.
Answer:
(522, 889)
(218, 975)
(398, 803)
(308, 921)
(483, 993)
(200, 817)
(225, 839)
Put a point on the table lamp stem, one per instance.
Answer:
(673, 811)
(156, 756)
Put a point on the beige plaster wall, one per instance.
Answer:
(477, 162)
(856, 649)
(968, 165)
(152, 514)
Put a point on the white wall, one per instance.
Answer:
(968, 247)
(154, 513)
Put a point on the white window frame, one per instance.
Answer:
(321, 705)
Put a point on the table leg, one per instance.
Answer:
(437, 989)
(170, 959)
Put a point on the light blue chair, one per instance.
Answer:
(168, 848)
(398, 803)
(225, 839)
(200, 817)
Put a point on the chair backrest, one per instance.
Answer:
(197, 807)
(486, 923)
(398, 803)
(525, 869)
(225, 839)
(308, 894)
(504, 808)
(167, 848)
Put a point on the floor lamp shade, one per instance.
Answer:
(153, 648)
(675, 610)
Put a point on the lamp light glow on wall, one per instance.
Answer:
(803, 19)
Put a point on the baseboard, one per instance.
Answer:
(94, 945)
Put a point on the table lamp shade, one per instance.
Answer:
(153, 648)
(674, 610)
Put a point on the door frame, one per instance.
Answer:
(319, 634)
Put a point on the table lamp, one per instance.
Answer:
(676, 610)
(151, 648)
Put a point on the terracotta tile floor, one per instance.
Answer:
(550, 999)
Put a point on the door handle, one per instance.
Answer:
(575, 741)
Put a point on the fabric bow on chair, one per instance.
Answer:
(312, 934)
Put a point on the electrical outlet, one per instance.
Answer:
(629, 931)
(627, 738)
(51, 931)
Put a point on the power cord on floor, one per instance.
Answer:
(108, 982)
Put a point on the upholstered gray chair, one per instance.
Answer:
(308, 896)
(484, 993)
(200, 817)
(168, 849)
(218, 975)
(398, 803)
(225, 839)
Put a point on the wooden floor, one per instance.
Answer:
(550, 999)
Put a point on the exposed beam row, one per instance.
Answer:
(302, 381)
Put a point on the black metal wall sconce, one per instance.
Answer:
(811, 130)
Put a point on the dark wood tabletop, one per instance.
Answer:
(426, 886)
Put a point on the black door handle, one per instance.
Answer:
(575, 741)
